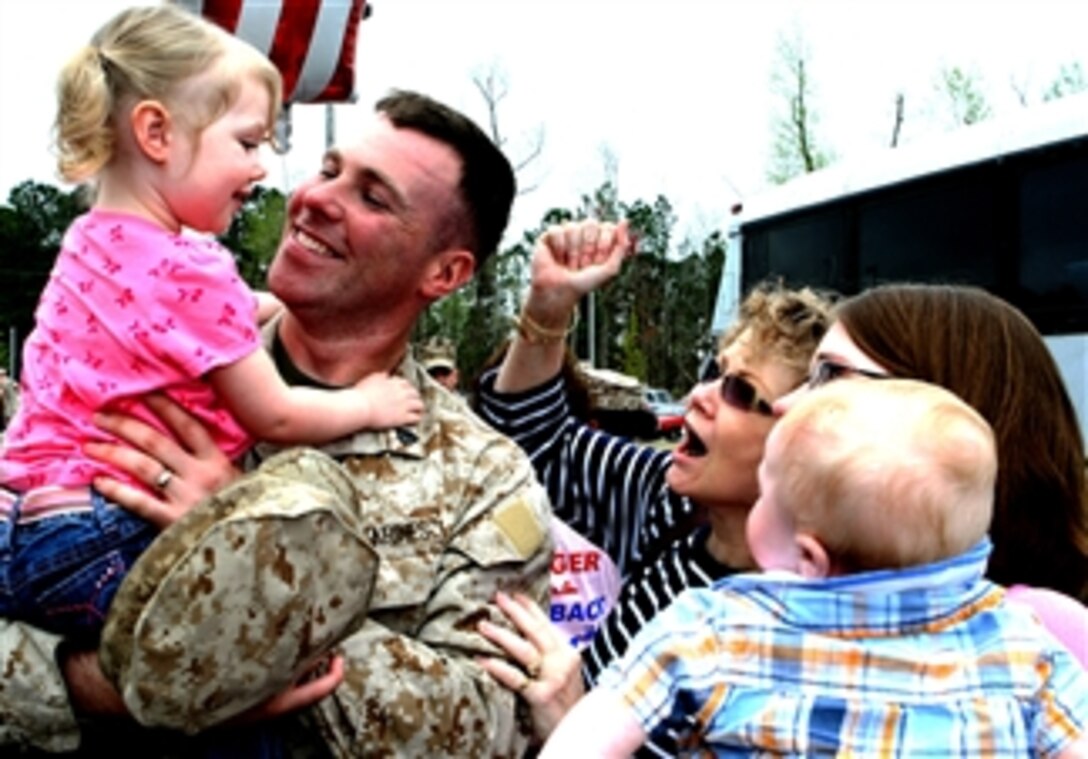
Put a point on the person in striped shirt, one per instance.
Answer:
(872, 630)
(669, 519)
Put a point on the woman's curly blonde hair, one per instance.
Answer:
(783, 323)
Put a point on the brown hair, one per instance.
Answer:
(487, 184)
(887, 474)
(988, 353)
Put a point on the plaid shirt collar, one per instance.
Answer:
(880, 602)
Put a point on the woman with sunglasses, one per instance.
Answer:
(671, 520)
(987, 352)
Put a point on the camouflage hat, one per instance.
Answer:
(439, 363)
(237, 599)
(437, 353)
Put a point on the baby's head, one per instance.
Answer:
(159, 53)
(865, 474)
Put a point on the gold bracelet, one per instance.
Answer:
(537, 334)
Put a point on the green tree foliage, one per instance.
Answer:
(691, 291)
(963, 92)
(254, 234)
(634, 357)
(32, 224)
(661, 303)
(1070, 81)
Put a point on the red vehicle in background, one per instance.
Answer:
(668, 410)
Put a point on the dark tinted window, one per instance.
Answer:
(1053, 237)
(809, 248)
(1017, 226)
(939, 230)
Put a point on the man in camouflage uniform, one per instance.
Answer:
(394, 221)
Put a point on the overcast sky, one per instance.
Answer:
(676, 90)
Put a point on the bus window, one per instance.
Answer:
(806, 249)
(1054, 245)
(936, 230)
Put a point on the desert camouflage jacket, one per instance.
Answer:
(455, 513)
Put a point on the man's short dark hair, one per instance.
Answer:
(487, 178)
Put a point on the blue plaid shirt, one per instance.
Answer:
(924, 661)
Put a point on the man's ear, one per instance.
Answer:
(152, 128)
(448, 271)
(815, 564)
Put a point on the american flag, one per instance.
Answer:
(312, 42)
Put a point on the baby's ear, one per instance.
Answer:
(815, 563)
(151, 126)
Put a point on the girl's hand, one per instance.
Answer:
(182, 470)
(394, 401)
(550, 674)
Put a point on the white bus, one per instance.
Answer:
(1002, 205)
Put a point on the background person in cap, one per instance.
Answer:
(439, 358)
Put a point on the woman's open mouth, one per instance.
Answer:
(691, 444)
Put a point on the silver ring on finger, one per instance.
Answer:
(163, 479)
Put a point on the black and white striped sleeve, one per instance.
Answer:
(609, 489)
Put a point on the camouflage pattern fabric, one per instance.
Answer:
(454, 512)
(34, 710)
(236, 600)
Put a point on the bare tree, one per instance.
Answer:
(1020, 87)
(795, 149)
(493, 87)
(897, 124)
(475, 317)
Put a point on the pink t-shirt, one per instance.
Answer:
(129, 308)
(1065, 617)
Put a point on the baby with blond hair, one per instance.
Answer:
(872, 629)
(835, 459)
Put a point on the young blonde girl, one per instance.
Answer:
(166, 113)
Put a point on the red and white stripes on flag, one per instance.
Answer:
(312, 42)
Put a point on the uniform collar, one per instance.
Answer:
(405, 440)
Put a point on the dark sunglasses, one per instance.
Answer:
(735, 390)
(742, 394)
(827, 371)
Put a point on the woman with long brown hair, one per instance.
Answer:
(989, 354)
